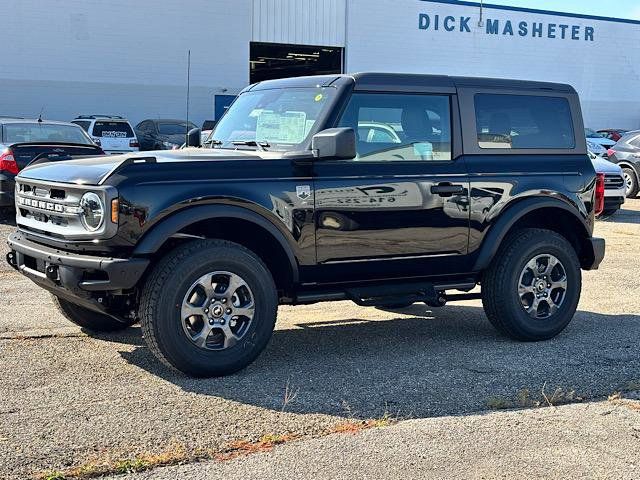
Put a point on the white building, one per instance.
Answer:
(69, 57)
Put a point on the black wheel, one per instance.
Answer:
(531, 290)
(88, 319)
(208, 308)
(630, 182)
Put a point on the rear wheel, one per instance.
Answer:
(89, 319)
(531, 290)
(209, 308)
(630, 182)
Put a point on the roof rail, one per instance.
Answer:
(94, 116)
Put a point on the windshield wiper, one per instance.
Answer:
(252, 143)
(213, 142)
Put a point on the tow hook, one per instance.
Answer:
(12, 260)
(52, 273)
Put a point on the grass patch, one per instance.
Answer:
(498, 403)
(180, 454)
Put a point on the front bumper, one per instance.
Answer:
(82, 279)
(598, 248)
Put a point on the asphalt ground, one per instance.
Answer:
(71, 400)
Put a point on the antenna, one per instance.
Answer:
(186, 127)
(480, 21)
(40, 115)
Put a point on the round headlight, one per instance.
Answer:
(92, 211)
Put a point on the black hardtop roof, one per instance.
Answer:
(411, 81)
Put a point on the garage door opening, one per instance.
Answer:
(273, 60)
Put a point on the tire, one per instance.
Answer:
(88, 319)
(633, 187)
(501, 298)
(173, 337)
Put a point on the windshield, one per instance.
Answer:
(279, 118)
(112, 129)
(44, 132)
(178, 128)
(592, 133)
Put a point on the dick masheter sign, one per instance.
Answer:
(507, 28)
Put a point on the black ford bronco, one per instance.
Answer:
(383, 189)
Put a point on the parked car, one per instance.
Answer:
(597, 138)
(614, 184)
(113, 133)
(292, 206)
(613, 134)
(626, 153)
(162, 134)
(23, 142)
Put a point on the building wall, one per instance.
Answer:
(309, 22)
(69, 57)
(385, 36)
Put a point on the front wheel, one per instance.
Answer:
(208, 308)
(630, 182)
(531, 290)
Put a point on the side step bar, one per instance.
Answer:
(391, 294)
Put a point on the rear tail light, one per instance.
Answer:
(8, 162)
(134, 143)
(610, 152)
(599, 201)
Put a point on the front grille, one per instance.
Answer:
(54, 210)
(613, 181)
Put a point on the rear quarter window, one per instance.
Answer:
(523, 122)
(112, 129)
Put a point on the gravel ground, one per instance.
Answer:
(67, 398)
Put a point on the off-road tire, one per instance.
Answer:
(500, 297)
(635, 188)
(88, 319)
(163, 294)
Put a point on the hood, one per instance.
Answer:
(93, 171)
(605, 166)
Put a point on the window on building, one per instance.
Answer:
(400, 127)
(523, 121)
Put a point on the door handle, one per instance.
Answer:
(447, 189)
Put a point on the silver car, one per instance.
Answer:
(614, 183)
(626, 153)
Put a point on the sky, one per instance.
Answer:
(604, 8)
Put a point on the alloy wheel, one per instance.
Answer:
(217, 310)
(542, 287)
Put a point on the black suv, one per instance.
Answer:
(383, 189)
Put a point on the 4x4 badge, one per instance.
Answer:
(303, 191)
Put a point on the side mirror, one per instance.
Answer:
(334, 144)
(193, 137)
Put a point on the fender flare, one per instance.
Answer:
(161, 232)
(498, 231)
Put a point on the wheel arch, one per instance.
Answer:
(223, 222)
(550, 214)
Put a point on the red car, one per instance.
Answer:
(614, 134)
